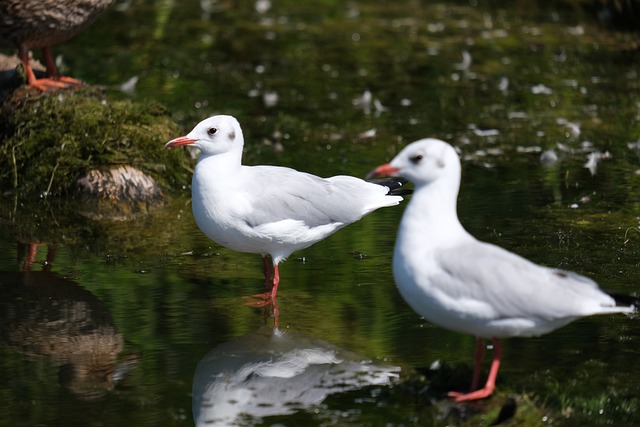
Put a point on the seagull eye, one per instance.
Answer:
(212, 131)
(416, 159)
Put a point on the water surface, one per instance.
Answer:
(112, 320)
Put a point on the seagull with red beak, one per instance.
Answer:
(457, 282)
(269, 210)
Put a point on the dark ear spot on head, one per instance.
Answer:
(441, 162)
(232, 135)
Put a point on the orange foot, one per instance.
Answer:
(53, 84)
(259, 300)
(474, 395)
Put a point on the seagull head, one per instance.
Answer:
(423, 162)
(215, 135)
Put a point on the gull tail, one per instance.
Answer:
(395, 185)
(625, 300)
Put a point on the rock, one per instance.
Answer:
(118, 193)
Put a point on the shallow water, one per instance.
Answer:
(112, 327)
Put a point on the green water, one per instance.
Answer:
(152, 297)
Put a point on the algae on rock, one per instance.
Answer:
(50, 141)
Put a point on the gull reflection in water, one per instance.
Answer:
(271, 372)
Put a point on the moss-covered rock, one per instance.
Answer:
(48, 142)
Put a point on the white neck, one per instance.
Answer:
(215, 170)
(431, 220)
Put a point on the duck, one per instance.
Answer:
(40, 24)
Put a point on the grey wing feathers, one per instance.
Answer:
(514, 286)
(282, 193)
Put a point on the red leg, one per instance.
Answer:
(30, 258)
(490, 385)
(276, 314)
(266, 264)
(271, 310)
(476, 369)
(276, 282)
(270, 285)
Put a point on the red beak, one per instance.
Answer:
(383, 170)
(183, 140)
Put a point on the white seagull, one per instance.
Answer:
(457, 282)
(268, 210)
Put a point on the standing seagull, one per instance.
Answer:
(465, 285)
(268, 210)
(29, 24)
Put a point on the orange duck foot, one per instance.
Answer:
(50, 83)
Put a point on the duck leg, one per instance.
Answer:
(52, 82)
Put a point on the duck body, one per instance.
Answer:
(31, 24)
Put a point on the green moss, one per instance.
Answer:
(50, 140)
